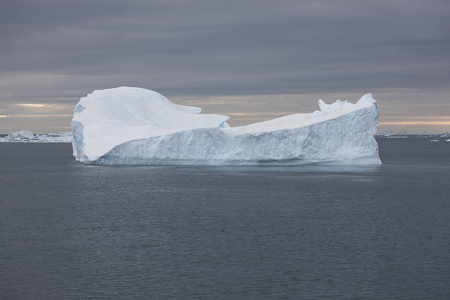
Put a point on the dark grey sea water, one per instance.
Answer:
(70, 231)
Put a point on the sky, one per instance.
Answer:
(252, 60)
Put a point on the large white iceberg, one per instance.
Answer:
(135, 126)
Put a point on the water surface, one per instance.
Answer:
(71, 231)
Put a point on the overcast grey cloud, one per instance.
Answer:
(250, 59)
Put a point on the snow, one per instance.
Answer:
(133, 126)
(25, 136)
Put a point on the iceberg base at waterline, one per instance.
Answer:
(134, 126)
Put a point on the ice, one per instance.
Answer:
(404, 135)
(135, 126)
(21, 135)
(386, 132)
(60, 137)
(25, 136)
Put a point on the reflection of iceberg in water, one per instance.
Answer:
(137, 126)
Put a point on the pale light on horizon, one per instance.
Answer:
(34, 105)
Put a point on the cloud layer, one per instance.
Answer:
(54, 52)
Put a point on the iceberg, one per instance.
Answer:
(60, 137)
(21, 135)
(135, 126)
(26, 136)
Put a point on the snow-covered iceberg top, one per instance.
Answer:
(128, 125)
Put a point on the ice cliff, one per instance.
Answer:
(134, 126)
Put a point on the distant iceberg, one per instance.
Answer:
(26, 136)
(21, 135)
(135, 126)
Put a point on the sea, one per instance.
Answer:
(74, 231)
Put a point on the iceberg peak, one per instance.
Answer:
(366, 100)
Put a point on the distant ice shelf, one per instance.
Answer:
(432, 137)
(26, 136)
(135, 126)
